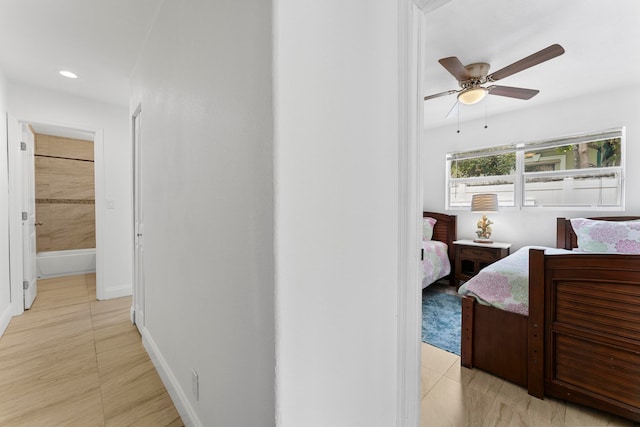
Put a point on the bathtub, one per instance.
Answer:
(65, 263)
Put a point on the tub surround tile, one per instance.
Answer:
(65, 227)
(65, 193)
(58, 146)
(65, 202)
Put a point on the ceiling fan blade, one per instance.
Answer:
(455, 67)
(438, 95)
(528, 62)
(455, 109)
(512, 92)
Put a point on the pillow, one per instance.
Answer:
(621, 237)
(427, 228)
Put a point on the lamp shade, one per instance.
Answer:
(484, 203)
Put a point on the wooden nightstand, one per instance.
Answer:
(471, 257)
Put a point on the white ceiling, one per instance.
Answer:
(97, 39)
(101, 39)
(600, 38)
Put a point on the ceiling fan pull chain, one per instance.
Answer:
(485, 113)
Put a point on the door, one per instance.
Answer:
(138, 227)
(29, 224)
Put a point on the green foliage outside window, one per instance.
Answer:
(498, 165)
(603, 153)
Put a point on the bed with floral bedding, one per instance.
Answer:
(435, 261)
(569, 327)
(438, 235)
(505, 283)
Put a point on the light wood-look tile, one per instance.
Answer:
(64, 187)
(438, 360)
(74, 361)
(110, 312)
(52, 145)
(457, 397)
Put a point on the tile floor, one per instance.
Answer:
(73, 361)
(454, 396)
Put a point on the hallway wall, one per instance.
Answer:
(5, 288)
(222, 190)
(204, 85)
(336, 157)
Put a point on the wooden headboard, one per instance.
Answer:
(566, 238)
(445, 230)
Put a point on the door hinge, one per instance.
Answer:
(25, 216)
(23, 146)
(25, 285)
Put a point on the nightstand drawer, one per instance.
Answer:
(471, 257)
(479, 254)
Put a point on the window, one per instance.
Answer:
(583, 171)
(491, 170)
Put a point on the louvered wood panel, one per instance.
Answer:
(601, 369)
(592, 331)
(612, 309)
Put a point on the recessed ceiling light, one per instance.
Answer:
(68, 74)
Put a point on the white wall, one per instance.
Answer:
(337, 212)
(5, 286)
(204, 83)
(594, 112)
(27, 103)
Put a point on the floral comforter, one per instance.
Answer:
(505, 283)
(436, 261)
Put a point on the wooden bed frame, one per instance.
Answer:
(557, 350)
(445, 231)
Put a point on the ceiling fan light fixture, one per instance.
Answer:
(472, 96)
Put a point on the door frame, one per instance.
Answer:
(15, 204)
(411, 15)
(137, 302)
(30, 275)
(14, 160)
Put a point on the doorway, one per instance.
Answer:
(52, 203)
(65, 202)
(137, 309)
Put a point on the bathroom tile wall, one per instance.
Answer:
(65, 196)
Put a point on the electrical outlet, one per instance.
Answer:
(195, 384)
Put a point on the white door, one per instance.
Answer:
(30, 285)
(14, 137)
(138, 227)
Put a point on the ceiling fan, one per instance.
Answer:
(472, 77)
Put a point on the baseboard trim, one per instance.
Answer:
(5, 318)
(117, 292)
(177, 394)
(66, 273)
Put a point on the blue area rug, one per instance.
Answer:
(441, 320)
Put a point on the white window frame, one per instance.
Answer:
(486, 152)
(520, 176)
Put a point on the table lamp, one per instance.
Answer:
(484, 203)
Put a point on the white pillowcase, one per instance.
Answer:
(621, 237)
(427, 227)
